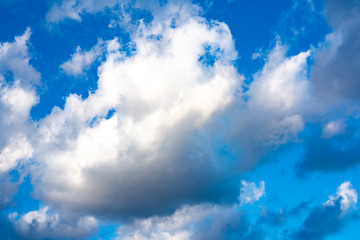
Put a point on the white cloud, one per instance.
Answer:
(204, 221)
(81, 60)
(135, 146)
(14, 57)
(199, 222)
(42, 224)
(272, 114)
(347, 195)
(282, 83)
(162, 98)
(16, 149)
(333, 128)
(250, 193)
(17, 97)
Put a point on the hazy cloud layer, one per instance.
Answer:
(73, 9)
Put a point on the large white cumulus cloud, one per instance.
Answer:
(148, 141)
(134, 147)
(144, 141)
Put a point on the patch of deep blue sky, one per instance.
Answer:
(255, 26)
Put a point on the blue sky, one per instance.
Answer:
(168, 120)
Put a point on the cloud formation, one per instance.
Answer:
(250, 192)
(17, 97)
(81, 60)
(199, 222)
(272, 114)
(347, 196)
(162, 142)
(206, 221)
(145, 125)
(332, 216)
(41, 224)
(189, 222)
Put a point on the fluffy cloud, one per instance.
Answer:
(138, 145)
(158, 111)
(272, 114)
(42, 224)
(14, 58)
(147, 140)
(332, 216)
(282, 84)
(17, 97)
(347, 196)
(204, 221)
(81, 60)
(189, 222)
(250, 192)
